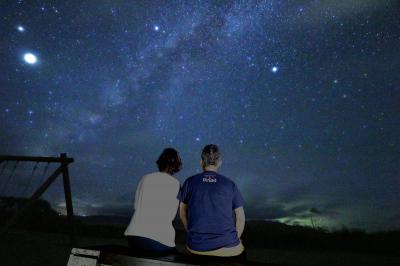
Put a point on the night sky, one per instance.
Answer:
(303, 98)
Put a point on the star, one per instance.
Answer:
(188, 75)
(30, 58)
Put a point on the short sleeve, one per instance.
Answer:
(237, 198)
(184, 192)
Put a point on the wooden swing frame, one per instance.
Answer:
(61, 170)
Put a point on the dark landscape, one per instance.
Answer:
(42, 235)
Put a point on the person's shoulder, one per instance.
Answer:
(150, 175)
(170, 181)
(226, 179)
(165, 177)
(157, 177)
(147, 178)
(191, 178)
(174, 181)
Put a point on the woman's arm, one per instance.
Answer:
(240, 220)
(183, 214)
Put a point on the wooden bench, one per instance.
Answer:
(122, 255)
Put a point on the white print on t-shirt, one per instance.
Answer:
(209, 179)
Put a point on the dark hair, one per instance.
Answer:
(211, 155)
(169, 161)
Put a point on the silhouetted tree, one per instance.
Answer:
(314, 212)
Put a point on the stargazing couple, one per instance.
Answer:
(210, 208)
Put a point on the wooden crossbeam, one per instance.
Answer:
(36, 159)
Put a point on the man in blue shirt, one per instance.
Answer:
(211, 210)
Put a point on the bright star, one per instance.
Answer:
(156, 28)
(20, 28)
(274, 69)
(30, 58)
(197, 139)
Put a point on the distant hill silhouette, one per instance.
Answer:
(40, 216)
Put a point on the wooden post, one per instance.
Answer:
(68, 197)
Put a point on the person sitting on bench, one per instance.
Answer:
(150, 231)
(208, 203)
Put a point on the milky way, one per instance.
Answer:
(302, 97)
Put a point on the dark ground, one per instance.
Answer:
(39, 248)
(40, 238)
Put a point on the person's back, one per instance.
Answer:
(211, 198)
(150, 230)
(211, 210)
(155, 208)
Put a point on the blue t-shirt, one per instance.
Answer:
(211, 199)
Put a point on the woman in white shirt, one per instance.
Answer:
(150, 230)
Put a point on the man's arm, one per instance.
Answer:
(183, 215)
(240, 220)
